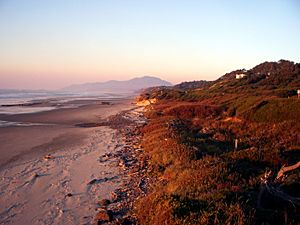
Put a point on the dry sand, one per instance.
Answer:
(35, 190)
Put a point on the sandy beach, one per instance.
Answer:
(54, 129)
(51, 172)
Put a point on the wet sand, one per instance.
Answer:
(64, 188)
(58, 131)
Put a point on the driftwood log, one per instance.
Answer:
(285, 169)
(267, 185)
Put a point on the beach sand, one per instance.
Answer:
(65, 187)
(55, 130)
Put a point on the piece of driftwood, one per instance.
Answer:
(285, 169)
(267, 185)
(272, 187)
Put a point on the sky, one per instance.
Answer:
(51, 44)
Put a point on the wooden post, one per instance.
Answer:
(235, 144)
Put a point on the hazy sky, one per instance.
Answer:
(54, 43)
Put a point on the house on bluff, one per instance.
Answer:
(240, 76)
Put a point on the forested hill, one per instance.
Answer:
(269, 75)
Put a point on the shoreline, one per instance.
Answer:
(55, 128)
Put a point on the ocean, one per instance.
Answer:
(21, 102)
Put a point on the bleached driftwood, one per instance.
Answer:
(268, 186)
(285, 169)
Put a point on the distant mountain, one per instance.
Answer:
(116, 86)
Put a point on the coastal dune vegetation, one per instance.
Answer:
(217, 149)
